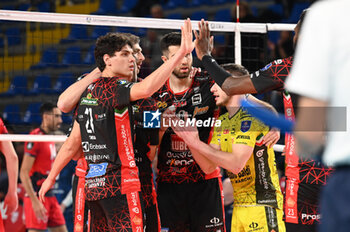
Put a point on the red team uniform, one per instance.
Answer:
(44, 154)
(188, 199)
(112, 186)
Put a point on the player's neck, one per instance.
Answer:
(179, 85)
(234, 104)
(45, 128)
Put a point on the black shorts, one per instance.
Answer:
(195, 207)
(149, 195)
(291, 227)
(120, 213)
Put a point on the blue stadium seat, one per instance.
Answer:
(44, 6)
(277, 8)
(89, 56)
(41, 85)
(48, 59)
(223, 15)
(32, 114)
(198, 15)
(18, 86)
(67, 118)
(219, 40)
(12, 114)
(14, 36)
(72, 56)
(107, 7)
(63, 82)
(128, 5)
(77, 32)
(175, 16)
(296, 11)
(171, 4)
(98, 31)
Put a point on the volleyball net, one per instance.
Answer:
(43, 53)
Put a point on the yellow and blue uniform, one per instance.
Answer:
(258, 201)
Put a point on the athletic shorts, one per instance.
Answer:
(54, 214)
(257, 218)
(120, 214)
(195, 207)
(149, 195)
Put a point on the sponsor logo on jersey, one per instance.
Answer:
(200, 110)
(96, 182)
(95, 157)
(163, 94)
(161, 105)
(89, 146)
(310, 216)
(253, 225)
(245, 125)
(96, 170)
(196, 99)
(88, 100)
(29, 145)
(100, 117)
(177, 144)
(243, 137)
(151, 119)
(214, 223)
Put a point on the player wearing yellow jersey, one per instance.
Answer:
(237, 146)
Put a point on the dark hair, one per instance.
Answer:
(235, 69)
(134, 39)
(172, 38)
(109, 44)
(47, 107)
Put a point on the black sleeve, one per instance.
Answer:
(272, 76)
(121, 94)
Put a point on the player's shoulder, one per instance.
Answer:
(37, 131)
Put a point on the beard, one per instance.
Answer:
(182, 75)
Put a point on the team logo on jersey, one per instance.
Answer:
(151, 119)
(29, 145)
(97, 170)
(245, 125)
(88, 100)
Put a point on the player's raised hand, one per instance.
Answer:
(187, 44)
(204, 43)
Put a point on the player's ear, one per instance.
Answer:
(164, 58)
(106, 59)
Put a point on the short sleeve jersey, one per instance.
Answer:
(105, 118)
(44, 154)
(272, 76)
(175, 161)
(257, 183)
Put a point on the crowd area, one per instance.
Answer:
(172, 150)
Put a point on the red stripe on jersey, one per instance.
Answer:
(135, 211)
(129, 172)
(80, 171)
(292, 167)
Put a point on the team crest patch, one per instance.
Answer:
(245, 125)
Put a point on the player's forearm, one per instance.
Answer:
(27, 185)
(70, 97)
(204, 163)
(156, 79)
(11, 164)
(66, 154)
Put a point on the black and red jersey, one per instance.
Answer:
(272, 76)
(175, 161)
(44, 154)
(105, 118)
(304, 176)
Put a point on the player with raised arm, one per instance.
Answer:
(237, 146)
(109, 99)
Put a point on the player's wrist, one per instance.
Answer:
(217, 73)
